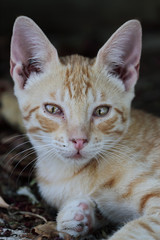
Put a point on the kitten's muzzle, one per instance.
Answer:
(79, 143)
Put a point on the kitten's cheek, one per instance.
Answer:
(47, 124)
(107, 126)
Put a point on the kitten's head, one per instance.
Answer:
(74, 108)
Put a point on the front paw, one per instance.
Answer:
(76, 219)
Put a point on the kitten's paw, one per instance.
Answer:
(76, 219)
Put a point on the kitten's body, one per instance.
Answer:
(88, 162)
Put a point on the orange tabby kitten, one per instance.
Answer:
(98, 160)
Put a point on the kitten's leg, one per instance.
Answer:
(146, 227)
(79, 217)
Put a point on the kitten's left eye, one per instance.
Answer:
(53, 109)
(101, 111)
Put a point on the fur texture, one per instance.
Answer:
(94, 154)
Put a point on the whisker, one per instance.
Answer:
(17, 155)
(49, 138)
(19, 136)
(31, 171)
(24, 151)
(24, 170)
(25, 156)
(33, 166)
(20, 145)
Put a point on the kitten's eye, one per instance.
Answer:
(53, 109)
(101, 111)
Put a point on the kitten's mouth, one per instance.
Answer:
(77, 155)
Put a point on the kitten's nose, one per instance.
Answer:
(79, 143)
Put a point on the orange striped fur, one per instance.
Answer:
(88, 162)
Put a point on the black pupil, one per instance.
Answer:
(100, 111)
(53, 109)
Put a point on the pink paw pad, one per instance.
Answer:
(79, 228)
(84, 206)
(78, 217)
(79, 221)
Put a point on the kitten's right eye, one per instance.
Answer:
(53, 109)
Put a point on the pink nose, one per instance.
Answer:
(79, 143)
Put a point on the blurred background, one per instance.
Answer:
(83, 26)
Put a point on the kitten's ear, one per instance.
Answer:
(31, 51)
(121, 53)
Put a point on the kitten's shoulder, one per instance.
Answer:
(142, 116)
(143, 124)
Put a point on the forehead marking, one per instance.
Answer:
(53, 95)
(77, 80)
(67, 82)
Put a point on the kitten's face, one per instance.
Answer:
(74, 108)
(73, 102)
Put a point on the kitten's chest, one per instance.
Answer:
(58, 184)
(59, 191)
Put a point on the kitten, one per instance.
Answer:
(97, 160)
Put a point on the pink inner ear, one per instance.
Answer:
(12, 66)
(30, 50)
(121, 54)
(128, 75)
(24, 70)
(129, 70)
(22, 54)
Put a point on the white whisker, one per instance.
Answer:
(24, 170)
(20, 145)
(25, 156)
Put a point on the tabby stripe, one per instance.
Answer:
(146, 226)
(67, 82)
(53, 94)
(48, 125)
(34, 129)
(149, 229)
(121, 113)
(85, 71)
(111, 182)
(115, 132)
(155, 221)
(146, 198)
(88, 85)
(106, 126)
(90, 166)
(25, 109)
(133, 184)
(30, 113)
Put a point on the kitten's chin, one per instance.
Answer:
(76, 159)
(77, 156)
